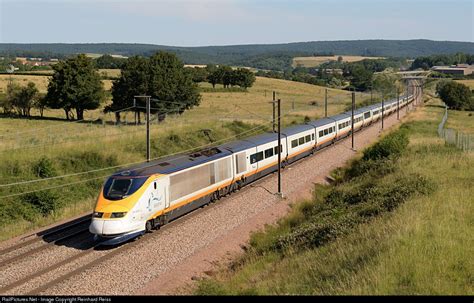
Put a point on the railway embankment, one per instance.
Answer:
(396, 220)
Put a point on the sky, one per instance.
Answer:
(228, 22)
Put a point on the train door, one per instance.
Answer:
(252, 155)
(159, 197)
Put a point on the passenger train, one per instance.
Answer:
(144, 197)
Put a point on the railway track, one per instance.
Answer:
(91, 247)
(49, 235)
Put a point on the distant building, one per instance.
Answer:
(331, 71)
(459, 69)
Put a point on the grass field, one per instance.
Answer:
(96, 143)
(462, 121)
(110, 73)
(469, 83)
(41, 80)
(424, 246)
(316, 61)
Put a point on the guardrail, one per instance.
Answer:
(453, 137)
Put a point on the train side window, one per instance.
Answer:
(268, 153)
(320, 133)
(253, 158)
(308, 138)
(276, 149)
(301, 140)
(326, 131)
(260, 156)
(294, 143)
(312, 136)
(154, 185)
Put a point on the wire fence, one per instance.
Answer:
(451, 136)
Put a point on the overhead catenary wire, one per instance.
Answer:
(49, 143)
(88, 138)
(261, 117)
(116, 166)
(87, 180)
(126, 164)
(36, 145)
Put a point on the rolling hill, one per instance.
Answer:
(275, 56)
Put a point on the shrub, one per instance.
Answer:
(45, 202)
(44, 168)
(374, 168)
(391, 146)
(314, 234)
(347, 206)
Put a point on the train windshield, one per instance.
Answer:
(120, 188)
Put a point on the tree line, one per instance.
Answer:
(360, 75)
(428, 62)
(76, 87)
(269, 56)
(223, 74)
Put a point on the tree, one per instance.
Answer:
(455, 95)
(12, 90)
(40, 103)
(75, 84)
(227, 75)
(107, 61)
(162, 77)
(385, 83)
(361, 78)
(215, 76)
(243, 78)
(133, 81)
(340, 59)
(24, 99)
(198, 74)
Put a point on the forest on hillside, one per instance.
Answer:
(262, 56)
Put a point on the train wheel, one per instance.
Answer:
(149, 226)
(215, 196)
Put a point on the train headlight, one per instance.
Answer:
(118, 215)
(97, 215)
